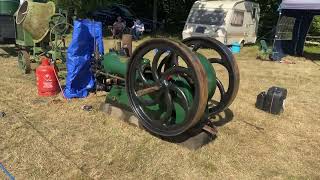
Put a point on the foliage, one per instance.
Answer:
(268, 17)
(83, 7)
(176, 11)
(315, 28)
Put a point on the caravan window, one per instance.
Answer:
(206, 17)
(237, 18)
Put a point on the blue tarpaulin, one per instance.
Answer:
(80, 80)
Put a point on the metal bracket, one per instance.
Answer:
(210, 129)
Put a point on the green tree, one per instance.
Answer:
(83, 7)
(175, 12)
(268, 17)
(315, 28)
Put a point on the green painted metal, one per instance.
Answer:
(115, 65)
(159, 110)
(23, 37)
(118, 96)
(181, 113)
(9, 7)
(211, 74)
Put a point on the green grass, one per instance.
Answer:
(312, 52)
(312, 49)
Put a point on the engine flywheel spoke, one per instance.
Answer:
(169, 107)
(227, 60)
(155, 62)
(180, 96)
(177, 70)
(221, 88)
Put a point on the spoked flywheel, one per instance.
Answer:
(58, 24)
(24, 61)
(222, 57)
(171, 100)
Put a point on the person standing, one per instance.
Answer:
(137, 29)
(118, 28)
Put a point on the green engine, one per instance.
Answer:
(169, 85)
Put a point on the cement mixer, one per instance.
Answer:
(40, 31)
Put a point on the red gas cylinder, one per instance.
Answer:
(46, 79)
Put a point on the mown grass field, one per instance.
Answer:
(50, 138)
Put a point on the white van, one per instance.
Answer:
(227, 21)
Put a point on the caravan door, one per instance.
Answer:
(236, 27)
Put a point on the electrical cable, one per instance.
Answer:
(10, 176)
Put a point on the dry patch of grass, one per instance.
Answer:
(44, 138)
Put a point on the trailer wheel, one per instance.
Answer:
(24, 61)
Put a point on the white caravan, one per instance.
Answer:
(227, 21)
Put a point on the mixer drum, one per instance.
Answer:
(35, 18)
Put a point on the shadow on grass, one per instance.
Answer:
(196, 138)
(314, 57)
(220, 120)
(9, 51)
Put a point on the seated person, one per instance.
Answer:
(118, 28)
(137, 29)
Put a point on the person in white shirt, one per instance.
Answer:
(137, 29)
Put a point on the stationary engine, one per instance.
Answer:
(170, 85)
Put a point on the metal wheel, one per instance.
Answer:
(59, 28)
(171, 101)
(24, 61)
(226, 60)
(58, 24)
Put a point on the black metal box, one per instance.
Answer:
(273, 101)
(7, 29)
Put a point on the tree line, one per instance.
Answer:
(175, 12)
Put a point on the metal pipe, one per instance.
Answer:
(111, 76)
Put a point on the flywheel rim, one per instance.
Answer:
(228, 61)
(200, 95)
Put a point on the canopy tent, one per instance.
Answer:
(301, 4)
(293, 26)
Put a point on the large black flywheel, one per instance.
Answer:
(168, 100)
(222, 57)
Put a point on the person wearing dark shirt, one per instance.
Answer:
(118, 28)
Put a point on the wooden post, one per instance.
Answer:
(155, 15)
